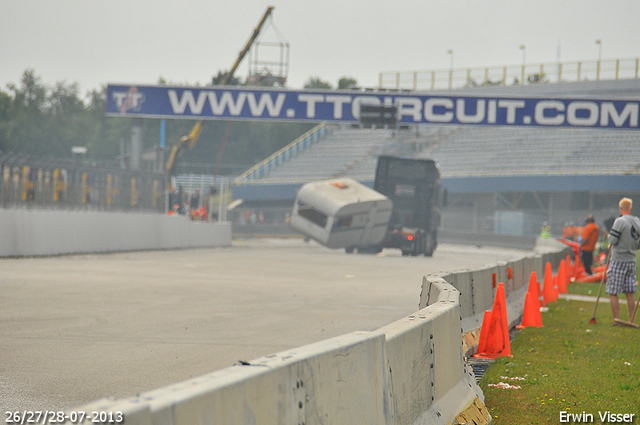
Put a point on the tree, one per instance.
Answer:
(103, 140)
(46, 121)
(27, 128)
(316, 83)
(347, 83)
(537, 78)
(217, 80)
(6, 106)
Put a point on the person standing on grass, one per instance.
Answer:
(624, 240)
(590, 236)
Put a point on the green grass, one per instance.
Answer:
(586, 288)
(567, 365)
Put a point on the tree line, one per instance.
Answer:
(47, 121)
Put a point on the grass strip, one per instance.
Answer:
(567, 365)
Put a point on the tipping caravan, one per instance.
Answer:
(341, 213)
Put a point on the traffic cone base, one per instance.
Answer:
(531, 315)
(496, 343)
(540, 296)
(484, 332)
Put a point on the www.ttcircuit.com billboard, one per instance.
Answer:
(250, 103)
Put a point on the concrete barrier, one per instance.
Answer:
(33, 233)
(410, 372)
(430, 382)
(480, 283)
(340, 380)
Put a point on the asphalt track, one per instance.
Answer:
(77, 328)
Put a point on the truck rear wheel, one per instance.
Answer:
(430, 244)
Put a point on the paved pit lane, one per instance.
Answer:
(77, 328)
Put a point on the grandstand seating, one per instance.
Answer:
(334, 155)
(484, 151)
(470, 151)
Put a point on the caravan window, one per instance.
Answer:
(312, 214)
(343, 222)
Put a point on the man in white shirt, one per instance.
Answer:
(624, 239)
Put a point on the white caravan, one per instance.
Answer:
(341, 213)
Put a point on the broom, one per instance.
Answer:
(630, 323)
(604, 274)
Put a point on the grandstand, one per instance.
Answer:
(526, 174)
(492, 151)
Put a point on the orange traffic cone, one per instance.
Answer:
(497, 342)
(533, 287)
(531, 315)
(540, 296)
(484, 332)
(548, 292)
(596, 277)
(580, 272)
(562, 278)
(568, 270)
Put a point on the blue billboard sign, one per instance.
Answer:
(251, 103)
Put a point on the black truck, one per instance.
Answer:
(415, 188)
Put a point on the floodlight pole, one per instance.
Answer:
(524, 60)
(599, 43)
(450, 53)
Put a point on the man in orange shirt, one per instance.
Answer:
(590, 236)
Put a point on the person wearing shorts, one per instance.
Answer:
(623, 238)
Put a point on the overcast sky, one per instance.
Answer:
(95, 42)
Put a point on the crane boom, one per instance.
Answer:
(188, 142)
(247, 47)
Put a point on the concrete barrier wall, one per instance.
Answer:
(407, 373)
(315, 384)
(34, 233)
(430, 381)
(480, 282)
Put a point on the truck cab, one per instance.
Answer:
(415, 189)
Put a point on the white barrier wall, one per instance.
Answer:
(33, 233)
(339, 381)
(407, 373)
(478, 287)
(430, 382)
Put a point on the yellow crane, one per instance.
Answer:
(188, 141)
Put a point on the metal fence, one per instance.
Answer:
(36, 183)
(285, 154)
(511, 75)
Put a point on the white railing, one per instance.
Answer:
(294, 148)
(509, 75)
